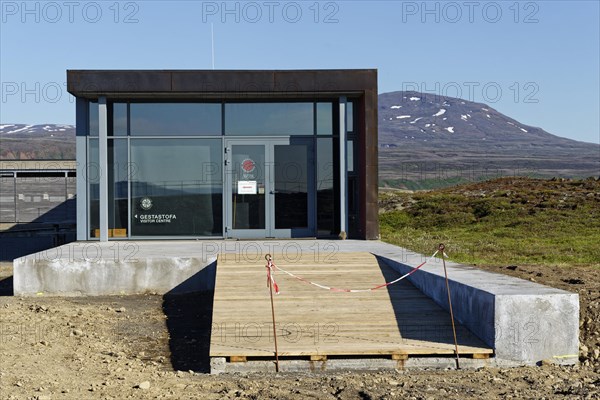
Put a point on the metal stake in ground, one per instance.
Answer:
(270, 283)
(441, 248)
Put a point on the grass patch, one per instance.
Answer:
(500, 222)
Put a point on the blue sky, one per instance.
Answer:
(537, 62)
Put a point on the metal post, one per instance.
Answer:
(441, 248)
(82, 208)
(15, 194)
(66, 194)
(269, 263)
(343, 168)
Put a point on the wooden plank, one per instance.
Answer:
(397, 321)
(315, 357)
(235, 359)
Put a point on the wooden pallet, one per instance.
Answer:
(398, 321)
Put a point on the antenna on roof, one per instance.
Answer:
(212, 44)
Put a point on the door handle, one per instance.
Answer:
(274, 191)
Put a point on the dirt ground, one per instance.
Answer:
(143, 347)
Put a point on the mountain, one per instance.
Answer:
(428, 140)
(25, 142)
(425, 141)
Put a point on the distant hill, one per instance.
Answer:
(26, 142)
(428, 141)
(425, 141)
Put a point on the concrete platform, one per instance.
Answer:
(524, 322)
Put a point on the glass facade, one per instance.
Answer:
(176, 187)
(269, 119)
(175, 119)
(118, 187)
(325, 118)
(327, 181)
(291, 186)
(119, 126)
(93, 125)
(248, 206)
(166, 167)
(92, 177)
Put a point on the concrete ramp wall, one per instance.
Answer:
(92, 269)
(524, 322)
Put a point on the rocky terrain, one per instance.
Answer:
(141, 347)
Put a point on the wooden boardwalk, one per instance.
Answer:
(398, 321)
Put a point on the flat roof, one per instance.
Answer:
(92, 84)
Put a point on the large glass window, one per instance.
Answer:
(176, 187)
(117, 188)
(350, 116)
(175, 119)
(92, 170)
(93, 126)
(327, 199)
(269, 119)
(324, 118)
(291, 185)
(350, 155)
(248, 209)
(119, 111)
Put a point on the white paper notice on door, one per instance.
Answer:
(246, 187)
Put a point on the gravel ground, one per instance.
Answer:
(149, 346)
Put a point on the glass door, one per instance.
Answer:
(293, 197)
(246, 189)
(269, 188)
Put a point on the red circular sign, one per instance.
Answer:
(248, 165)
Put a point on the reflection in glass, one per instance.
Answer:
(176, 187)
(185, 119)
(350, 116)
(119, 119)
(350, 155)
(93, 126)
(263, 119)
(352, 206)
(324, 118)
(117, 187)
(92, 177)
(326, 199)
(248, 186)
(291, 186)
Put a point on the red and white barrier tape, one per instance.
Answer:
(270, 274)
(271, 267)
